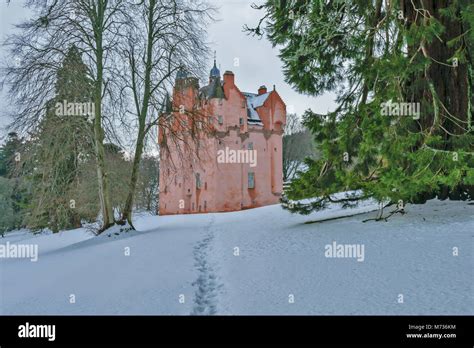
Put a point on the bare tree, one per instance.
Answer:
(297, 145)
(164, 37)
(148, 183)
(95, 28)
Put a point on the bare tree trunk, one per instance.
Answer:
(128, 209)
(104, 193)
(142, 116)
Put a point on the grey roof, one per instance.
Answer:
(214, 71)
(168, 106)
(253, 102)
(212, 90)
(181, 74)
(215, 90)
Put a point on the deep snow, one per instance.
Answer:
(187, 264)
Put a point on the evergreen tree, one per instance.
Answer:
(14, 190)
(3, 162)
(9, 158)
(61, 143)
(409, 53)
(7, 218)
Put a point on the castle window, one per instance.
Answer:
(243, 103)
(220, 119)
(205, 186)
(250, 146)
(275, 149)
(205, 205)
(241, 121)
(251, 180)
(198, 181)
(193, 207)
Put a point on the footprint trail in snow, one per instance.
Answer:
(205, 296)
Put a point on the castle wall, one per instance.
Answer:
(225, 186)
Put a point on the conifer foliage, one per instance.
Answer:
(403, 73)
(62, 141)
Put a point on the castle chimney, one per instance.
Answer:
(229, 78)
(228, 82)
(262, 90)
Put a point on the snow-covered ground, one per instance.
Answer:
(259, 261)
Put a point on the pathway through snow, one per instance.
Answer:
(205, 297)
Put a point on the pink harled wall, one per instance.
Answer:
(224, 186)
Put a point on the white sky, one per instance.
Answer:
(9, 15)
(258, 62)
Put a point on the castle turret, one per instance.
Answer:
(215, 72)
(185, 90)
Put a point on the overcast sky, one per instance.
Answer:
(9, 15)
(258, 63)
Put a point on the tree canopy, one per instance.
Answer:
(403, 73)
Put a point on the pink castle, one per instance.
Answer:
(236, 163)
